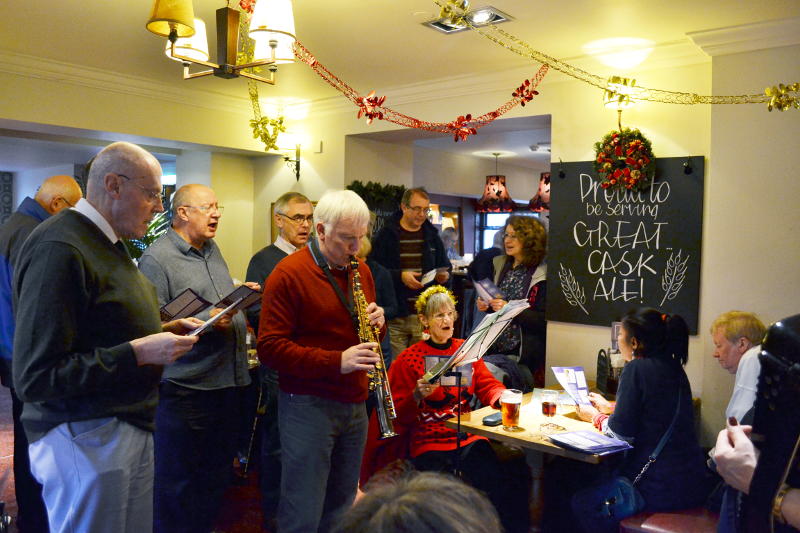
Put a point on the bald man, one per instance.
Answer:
(55, 194)
(89, 350)
(200, 395)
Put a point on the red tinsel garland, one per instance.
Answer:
(371, 107)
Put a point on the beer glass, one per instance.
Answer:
(510, 403)
(549, 402)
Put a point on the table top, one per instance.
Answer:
(530, 420)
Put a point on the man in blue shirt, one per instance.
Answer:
(55, 193)
(200, 395)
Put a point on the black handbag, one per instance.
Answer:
(600, 508)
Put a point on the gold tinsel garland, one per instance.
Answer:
(781, 97)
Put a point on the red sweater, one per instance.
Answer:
(304, 328)
(421, 428)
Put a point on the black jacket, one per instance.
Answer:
(386, 251)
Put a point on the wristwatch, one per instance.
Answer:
(777, 513)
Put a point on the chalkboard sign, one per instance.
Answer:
(610, 251)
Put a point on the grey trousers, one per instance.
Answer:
(322, 442)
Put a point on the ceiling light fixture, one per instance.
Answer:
(271, 27)
(477, 17)
(621, 53)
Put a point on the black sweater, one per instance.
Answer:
(79, 300)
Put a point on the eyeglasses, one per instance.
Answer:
(419, 209)
(153, 196)
(206, 208)
(299, 219)
(441, 317)
(507, 235)
(67, 201)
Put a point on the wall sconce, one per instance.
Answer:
(294, 164)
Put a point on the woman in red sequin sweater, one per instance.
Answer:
(422, 409)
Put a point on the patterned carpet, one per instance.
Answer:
(241, 511)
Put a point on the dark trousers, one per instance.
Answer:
(31, 514)
(507, 484)
(270, 480)
(195, 442)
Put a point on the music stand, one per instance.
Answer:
(457, 461)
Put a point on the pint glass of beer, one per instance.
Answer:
(510, 402)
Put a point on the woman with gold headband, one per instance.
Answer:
(422, 408)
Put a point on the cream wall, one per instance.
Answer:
(232, 181)
(367, 160)
(751, 249)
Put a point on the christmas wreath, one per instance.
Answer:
(624, 159)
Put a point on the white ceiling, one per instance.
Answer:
(377, 44)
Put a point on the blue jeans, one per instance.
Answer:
(322, 442)
(97, 476)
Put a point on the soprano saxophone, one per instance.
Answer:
(378, 380)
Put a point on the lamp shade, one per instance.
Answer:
(273, 20)
(195, 46)
(171, 15)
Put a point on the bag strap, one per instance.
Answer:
(663, 441)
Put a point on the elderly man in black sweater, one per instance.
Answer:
(89, 348)
(293, 216)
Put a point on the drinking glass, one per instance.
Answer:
(510, 403)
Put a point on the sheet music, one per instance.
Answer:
(187, 303)
(428, 277)
(211, 321)
(481, 338)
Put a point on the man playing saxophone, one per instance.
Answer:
(308, 333)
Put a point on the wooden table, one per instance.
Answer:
(531, 439)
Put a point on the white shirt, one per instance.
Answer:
(285, 245)
(88, 210)
(744, 390)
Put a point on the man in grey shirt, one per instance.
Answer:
(196, 417)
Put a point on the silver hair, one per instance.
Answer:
(335, 206)
(284, 200)
(438, 302)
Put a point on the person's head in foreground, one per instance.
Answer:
(424, 502)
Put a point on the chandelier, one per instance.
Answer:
(271, 27)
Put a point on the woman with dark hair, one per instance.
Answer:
(653, 385)
(521, 274)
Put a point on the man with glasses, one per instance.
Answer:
(89, 349)
(294, 217)
(200, 395)
(408, 245)
(55, 193)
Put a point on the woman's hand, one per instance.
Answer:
(482, 305)
(586, 412)
(602, 405)
(497, 304)
(424, 389)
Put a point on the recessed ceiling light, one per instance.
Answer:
(477, 17)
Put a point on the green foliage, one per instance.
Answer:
(378, 196)
(157, 227)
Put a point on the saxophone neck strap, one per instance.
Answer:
(347, 302)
